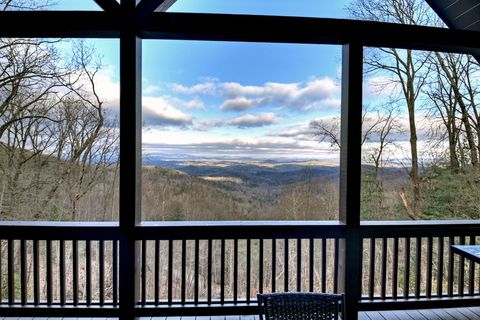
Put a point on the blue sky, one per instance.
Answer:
(232, 100)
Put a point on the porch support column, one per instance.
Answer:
(130, 158)
(350, 176)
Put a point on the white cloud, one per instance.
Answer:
(192, 144)
(314, 94)
(107, 88)
(299, 132)
(242, 122)
(248, 120)
(151, 90)
(158, 111)
(205, 88)
(237, 104)
(195, 104)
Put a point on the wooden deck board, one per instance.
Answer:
(474, 310)
(471, 313)
(449, 314)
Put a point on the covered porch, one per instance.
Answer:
(213, 270)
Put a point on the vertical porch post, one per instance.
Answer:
(350, 176)
(130, 158)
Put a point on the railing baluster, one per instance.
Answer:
(471, 270)
(184, 270)
(115, 272)
(157, 272)
(62, 271)
(260, 265)
(101, 270)
(49, 268)
(274, 265)
(451, 241)
(11, 272)
(335, 265)
(311, 264)
(23, 271)
(75, 271)
(209, 271)
(286, 262)
(324, 264)
(143, 278)
(248, 269)
(371, 277)
(1, 271)
(440, 267)
(170, 271)
(406, 290)
(36, 273)
(197, 268)
(384, 268)
(299, 265)
(395, 269)
(429, 266)
(235, 270)
(461, 271)
(88, 268)
(418, 265)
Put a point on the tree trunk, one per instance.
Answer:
(452, 146)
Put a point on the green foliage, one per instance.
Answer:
(450, 195)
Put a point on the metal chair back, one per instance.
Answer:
(301, 306)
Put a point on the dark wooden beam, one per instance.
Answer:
(130, 159)
(350, 266)
(60, 24)
(149, 6)
(108, 5)
(221, 27)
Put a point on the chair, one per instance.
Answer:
(301, 306)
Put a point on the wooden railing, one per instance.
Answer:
(409, 264)
(219, 267)
(230, 263)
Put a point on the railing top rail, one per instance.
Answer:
(425, 228)
(56, 230)
(171, 230)
(240, 230)
(58, 224)
(419, 223)
(242, 223)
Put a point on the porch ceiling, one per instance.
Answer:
(459, 14)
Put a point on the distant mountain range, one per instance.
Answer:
(252, 172)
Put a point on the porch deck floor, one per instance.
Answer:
(471, 313)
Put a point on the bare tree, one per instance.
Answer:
(407, 66)
(378, 125)
(7, 5)
(54, 133)
(453, 69)
(86, 146)
(384, 127)
(444, 107)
